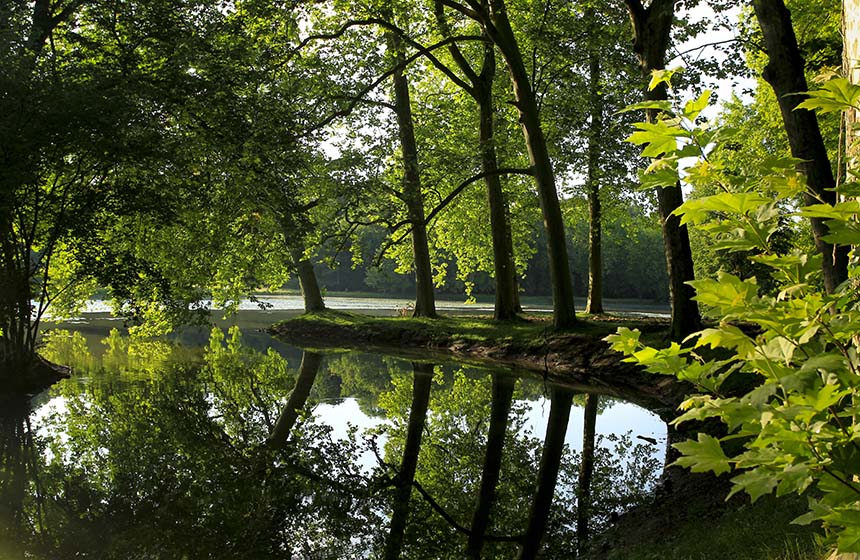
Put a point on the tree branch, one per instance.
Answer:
(349, 108)
(457, 190)
(453, 522)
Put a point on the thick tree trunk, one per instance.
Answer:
(784, 73)
(586, 470)
(503, 396)
(594, 302)
(308, 370)
(311, 293)
(503, 262)
(553, 446)
(562, 283)
(425, 302)
(422, 381)
(652, 27)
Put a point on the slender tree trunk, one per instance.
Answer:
(308, 370)
(553, 446)
(784, 73)
(594, 302)
(481, 89)
(652, 27)
(586, 470)
(503, 396)
(425, 302)
(503, 262)
(562, 283)
(311, 293)
(422, 381)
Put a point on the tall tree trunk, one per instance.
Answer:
(422, 381)
(503, 262)
(784, 73)
(481, 89)
(553, 446)
(503, 396)
(308, 370)
(651, 28)
(594, 302)
(425, 302)
(311, 293)
(586, 470)
(562, 283)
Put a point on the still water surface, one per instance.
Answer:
(226, 443)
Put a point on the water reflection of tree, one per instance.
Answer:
(174, 467)
(453, 506)
(219, 454)
(16, 473)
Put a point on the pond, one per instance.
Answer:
(226, 443)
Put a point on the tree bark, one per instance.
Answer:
(499, 29)
(785, 74)
(503, 396)
(503, 262)
(311, 293)
(481, 89)
(586, 470)
(425, 302)
(553, 446)
(594, 302)
(308, 370)
(651, 29)
(422, 381)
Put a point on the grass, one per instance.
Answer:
(742, 531)
(527, 331)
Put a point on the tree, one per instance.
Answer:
(58, 115)
(785, 74)
(651, 30)
(795, 415)
(480, 88)
(493, 18)
(425, 305)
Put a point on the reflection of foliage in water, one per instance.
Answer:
(128, 356)
(450, 470)
(171, 466)
(164, 452)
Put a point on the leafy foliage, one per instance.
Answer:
(797, 422)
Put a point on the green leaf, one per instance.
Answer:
(756, 483)
(703, 455)
(624, 340)
(835, 95)
(660, 105)
(663, 76)
(728, 293)
(662, 172)
(726, 336)
(795, 478)
(694, 107)
(658, 138)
